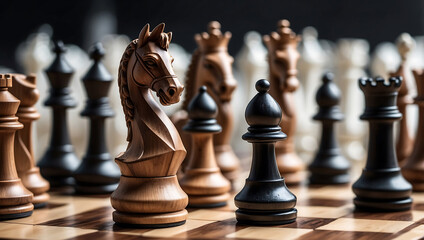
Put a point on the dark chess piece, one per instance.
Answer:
(15, 199)
(265, 199)
(203, 181)
(413, 169)
(24, 88)
(381, 187)
(59, 161)
(97, 172)
(329, 165)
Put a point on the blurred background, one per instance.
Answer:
(351, 38)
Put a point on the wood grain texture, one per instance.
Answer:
(282, 60)
(148, 193)
(211, 65)
(15, 199)
(413, 166)
(24, 88)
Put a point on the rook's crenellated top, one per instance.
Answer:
(380, 97)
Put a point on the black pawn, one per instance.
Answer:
(59, 161)
(329, 165)
(97, 172)
(265, 199)
(381, 187)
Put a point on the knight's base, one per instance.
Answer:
(252, 217)
(155, 220)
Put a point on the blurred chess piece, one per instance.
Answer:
(311, 67)
(34, 56)
(251, 65)
(385, 59)
(115, 45)
(404, 143)
(282, 61)
(352, 57)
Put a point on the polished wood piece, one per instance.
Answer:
(413, 169)
(329, 166)
(59, 161)
(211, 65)
(15, 199)
(404, 142)
(282, 60)
(203, 180)
(381, 186)
(148, 193)
(265, 198)
(97, 172)
(25, 89)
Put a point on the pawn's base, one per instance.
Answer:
(95, 189)
(14, 212)
(40, 200)
(154, 220)
(202, 201)
(382, 205)
(252, 217)
(329, 179)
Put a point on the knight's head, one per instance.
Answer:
(153, 65)
(214, 68)
(283, 55)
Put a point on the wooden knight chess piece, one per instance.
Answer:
(97, 172)
(282, 60)
(413, 169)
(24, 88)
(203, 180)
(148, 194)
(211, 65)
(265, 198)
(15, 199)
(405, 141)
(381, 186)
(59, 161)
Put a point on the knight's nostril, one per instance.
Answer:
(171, 92)
(223, 88)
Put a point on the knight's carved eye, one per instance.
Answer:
(208, 66)
(150, 63)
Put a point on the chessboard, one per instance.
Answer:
(324, 212)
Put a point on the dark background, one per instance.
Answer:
(376, 21)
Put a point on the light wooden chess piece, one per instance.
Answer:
(24, 88)
(311, 67)
(282, 60)
(351, 59)
(148, 193)
(15, 199)
(405, 141)
(413, 169)
(211, 65)
(203, 180)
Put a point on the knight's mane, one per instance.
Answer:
(162, 41)
(190, 79)
(124, 93)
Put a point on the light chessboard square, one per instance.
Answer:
(269, 233)
(366, 225)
